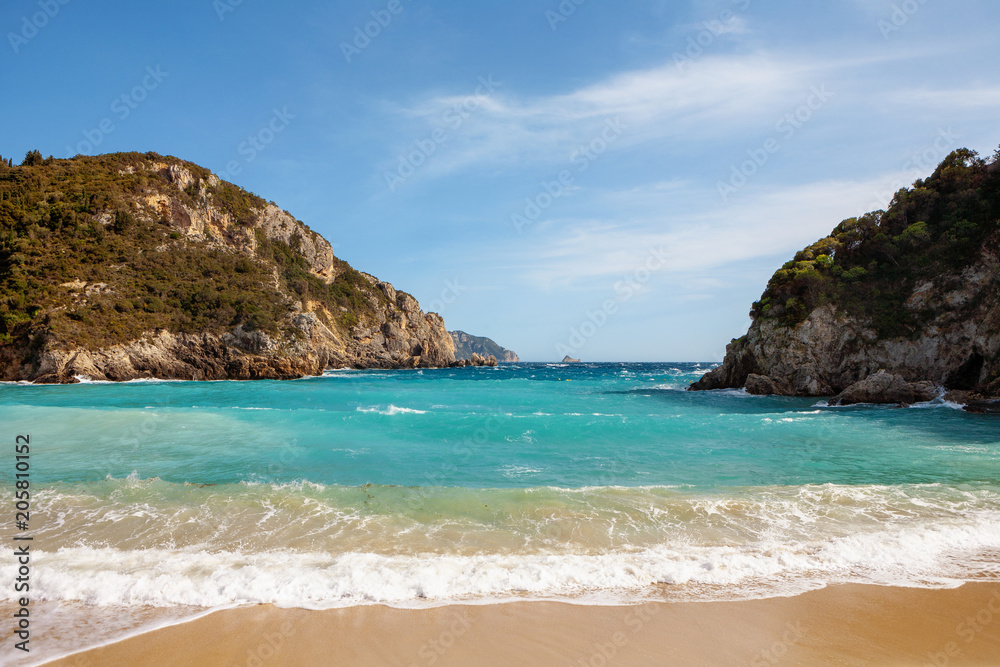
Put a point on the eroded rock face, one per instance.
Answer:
(407, 338)
(761, 385)
(958, 348)
(182, 357)
(885, 387)
(206, 222)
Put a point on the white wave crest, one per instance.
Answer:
(924, 555)
(392, 410)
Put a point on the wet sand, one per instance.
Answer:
(839, 625)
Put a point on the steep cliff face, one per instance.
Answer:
(914, 290)
(129, 266)
(466, 345)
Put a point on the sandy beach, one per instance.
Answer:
(841, 625)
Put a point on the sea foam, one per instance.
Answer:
(920, 556)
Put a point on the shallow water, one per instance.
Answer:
(594, 482)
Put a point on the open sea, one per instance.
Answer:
(591, 483)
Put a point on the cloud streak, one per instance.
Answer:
(580, 252)
(717, 97)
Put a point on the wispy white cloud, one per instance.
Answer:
(715, 97)
(772, 223)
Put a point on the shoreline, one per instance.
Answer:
(140, 379)
(840, 624)
(983, 405)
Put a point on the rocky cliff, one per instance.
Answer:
(127, 266)
(914, 290)
(466, 345)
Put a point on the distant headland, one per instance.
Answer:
(467, 345)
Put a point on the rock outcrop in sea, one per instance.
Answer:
(892, 307)
(132, 266)
(885, 387)
(477, 360)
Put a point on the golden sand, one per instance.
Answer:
(840, 625)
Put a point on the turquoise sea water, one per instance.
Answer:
(598, 482)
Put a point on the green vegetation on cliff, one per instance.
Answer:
(85, 257)
(869, 266)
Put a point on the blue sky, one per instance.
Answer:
(613, 180)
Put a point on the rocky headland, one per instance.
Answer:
(896, 306)
(127, 266)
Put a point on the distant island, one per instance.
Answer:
(570, 360)
(129, 265)
(894, 306)
(467, 345)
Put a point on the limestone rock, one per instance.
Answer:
(761, 385)
(959, 348)
(478, 360)
(885, 387)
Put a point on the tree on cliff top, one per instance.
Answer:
(869, 265)
(31, 159)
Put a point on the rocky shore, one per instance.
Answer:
(406, 337)
(899, 306)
